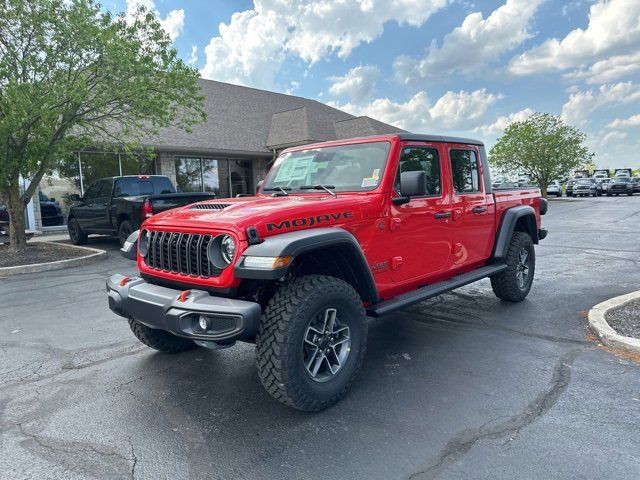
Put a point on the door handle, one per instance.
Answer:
(477, 210)
(443, 214)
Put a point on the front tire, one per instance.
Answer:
(159, 339)
(77, 236)
(514, 283)
(311, 342)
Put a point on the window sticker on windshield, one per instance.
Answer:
(316, 167)
(294, 169)
(376, 173)
(369, 182)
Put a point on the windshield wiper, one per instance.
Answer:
(283, 190)
(326, 188)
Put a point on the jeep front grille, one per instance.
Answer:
(184, 253)
(210, 206)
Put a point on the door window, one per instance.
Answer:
(423, 159)
(92, 191)
(464, 169)
(104, 188)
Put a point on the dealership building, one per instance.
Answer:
(229, 154)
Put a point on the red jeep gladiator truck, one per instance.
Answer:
(338, 231)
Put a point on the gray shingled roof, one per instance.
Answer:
(242, 119)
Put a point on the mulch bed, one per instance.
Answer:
(625, 319)
(39, 252)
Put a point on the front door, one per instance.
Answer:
(98, 207)
(473, 210)
(420, 230)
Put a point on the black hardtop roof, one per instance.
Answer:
(417, 137)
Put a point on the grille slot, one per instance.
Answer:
(183, 253)
(210, 206)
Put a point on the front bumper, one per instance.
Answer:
(179, 313)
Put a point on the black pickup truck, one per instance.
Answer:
(119, 205)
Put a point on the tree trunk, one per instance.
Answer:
(15, 207)
(543, 190)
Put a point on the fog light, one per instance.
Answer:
(204, 323)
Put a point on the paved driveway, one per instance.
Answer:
(462, 386)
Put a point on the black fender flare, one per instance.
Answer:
(508, 225)
(294, 244)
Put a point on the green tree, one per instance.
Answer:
(73, 76)
(543, 147)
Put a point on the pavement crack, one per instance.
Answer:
(465, 440)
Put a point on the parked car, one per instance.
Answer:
(635, 184)
(604, 185)
(4, 213)
(50, 211)
(585, 187)
(570, 185)
(119, 205)
(554, 188)
(623, 172)
(338, 231)
(620, 185)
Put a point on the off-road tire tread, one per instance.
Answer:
(504, 283)
(159, 339)
(277, 324)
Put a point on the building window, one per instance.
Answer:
(225, 178)
(189, 174)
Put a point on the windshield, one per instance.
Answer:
(345, 168)
(622, 180)
(584, 182)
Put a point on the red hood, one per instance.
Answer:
(266, 213)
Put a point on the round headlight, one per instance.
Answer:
(227, 248)
(143, 243)
(221, 251)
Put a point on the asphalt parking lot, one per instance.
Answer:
(462, 386)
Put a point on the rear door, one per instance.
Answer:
(473, 209)
(420, 230)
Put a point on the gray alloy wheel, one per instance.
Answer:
(326, 346)
(522, 268)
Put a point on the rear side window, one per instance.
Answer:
(464, 169)
(421, 159)
(162, 185)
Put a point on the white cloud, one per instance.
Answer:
(607, 70)
(475, 43)
(357, 84)
(253, 45)
(580, 104)
(632, 121)
(613, 136)
(613, 26)
(453, 111)
(498, 127)
(173, 23)
(193, 58)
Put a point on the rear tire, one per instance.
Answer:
(159, 339)
(77, 236)
(514, 283)
(124, 230)
(305, 329)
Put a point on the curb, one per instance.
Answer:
(94, 256)
(605, 333)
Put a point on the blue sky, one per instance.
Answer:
(430, 66)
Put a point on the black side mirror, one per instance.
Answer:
(412, 184)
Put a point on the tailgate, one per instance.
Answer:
(168, 201)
